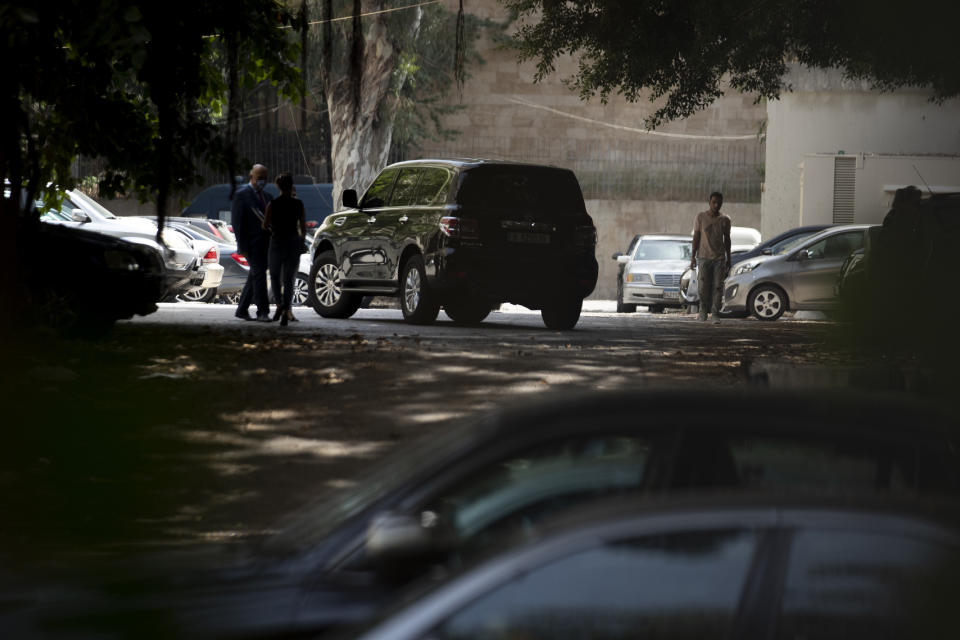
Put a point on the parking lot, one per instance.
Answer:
(190, 426)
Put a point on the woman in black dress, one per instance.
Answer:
(287, 222)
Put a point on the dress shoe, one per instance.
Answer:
(284, 319)
(278, 313)
(264, 319)
(245, 315)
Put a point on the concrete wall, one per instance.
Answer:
(877, 179)
(617, 221)
(826, 113)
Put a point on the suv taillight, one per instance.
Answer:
(586, 236)
(211, 255)
(240, 259)
(463, 228)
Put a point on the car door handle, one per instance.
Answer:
(403, 219)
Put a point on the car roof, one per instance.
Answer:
(665, 236)
(816, 414)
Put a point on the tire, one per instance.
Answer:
(624, 308)
(563, 314)
(324, 291)
(466, 311)
(767, 302)
(200, 295)
(655, 308)
(418, 303)
(300, 289)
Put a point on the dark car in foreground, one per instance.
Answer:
(714, 567)
(85, 271)
(465, 235)
(459, 491)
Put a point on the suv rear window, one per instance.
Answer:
(535, 189)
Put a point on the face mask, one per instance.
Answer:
(261, 183)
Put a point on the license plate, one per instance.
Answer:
(671, 294)
(528, 238)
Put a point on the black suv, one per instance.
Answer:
(466, 235)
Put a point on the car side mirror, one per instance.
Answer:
(803, 255)
(79, 216)
(616, 255)
(394, 535)
(623, 259)
(350, 199)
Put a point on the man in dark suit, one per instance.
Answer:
(246, 216)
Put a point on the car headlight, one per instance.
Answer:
(745, 268)
(643, 278)
(120, 261)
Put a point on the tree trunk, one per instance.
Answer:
(359, 148)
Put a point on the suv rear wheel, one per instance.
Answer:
(417, 301)
(562, 314)
(325, 291)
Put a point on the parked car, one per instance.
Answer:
(710, 567)
(621, 308)
(462, 489)
(214, 202)
(466, 235)
(234, 273)
(800, 276)
(184, 267)
(743, 239)
(651, 274)
(86, 270)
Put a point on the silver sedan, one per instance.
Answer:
(800, 276)
(651, 274)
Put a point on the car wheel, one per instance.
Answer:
(767, 302)
(562, 314)
(467, 310)
(624, 308)
(655, 308)
(418, 303)
(200, 295)
(300, 289)
(229, 298)
(325, 290)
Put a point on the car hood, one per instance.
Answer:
(659, 266)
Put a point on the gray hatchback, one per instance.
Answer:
(800, 276)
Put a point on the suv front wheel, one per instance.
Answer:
(562, 313)
(325, 291)
(418, 302)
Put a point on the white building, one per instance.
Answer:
(837, 150)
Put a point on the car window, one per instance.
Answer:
(405, 191)
(378, 194)
(554, 192)
(433, 187)
(672, 586)
(788, 243)
(867, 585)
(518, 491)
(837, 246)
(765, 462)
(664, 250)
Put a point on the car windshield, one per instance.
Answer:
(664, 250)
(87, 201)
(789, 244)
